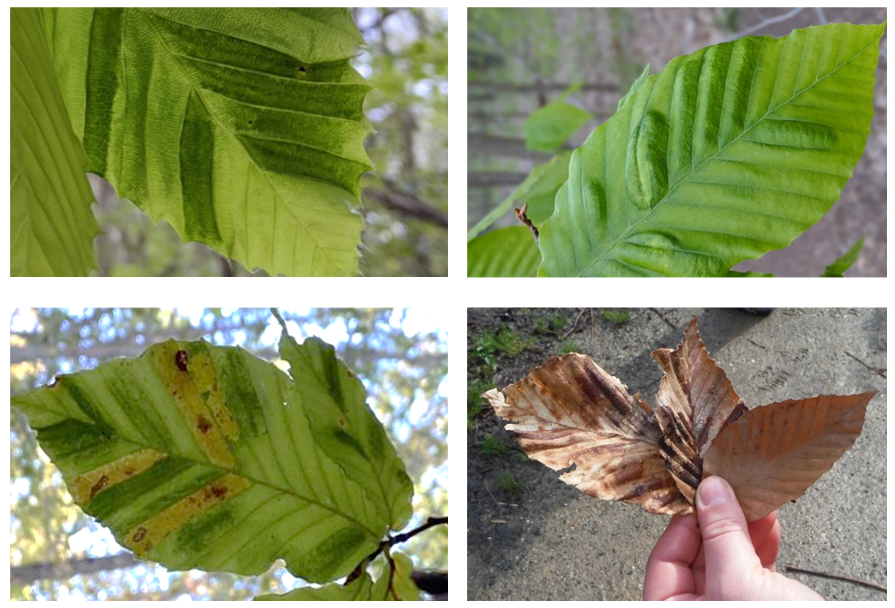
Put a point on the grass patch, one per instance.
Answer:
(569, 346)
(617, 316)
(509, 483)
(474, 401)
(504, 340)
(492, 447)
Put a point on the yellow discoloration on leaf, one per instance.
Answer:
(86, 486)
(151, 532)
(204, 374)
(191, 382)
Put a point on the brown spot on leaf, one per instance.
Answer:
(139, 534)
(99, 486)
(303, 69)
(181, 359)
(203, 424)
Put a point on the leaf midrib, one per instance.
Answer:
(622, 238)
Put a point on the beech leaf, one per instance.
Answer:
(570, 412)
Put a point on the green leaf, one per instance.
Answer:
(346, 429)
(362, 589)
(51, 224)
(241, 127)
(551, 126)
(507, 252)
(542, 193)
(838, 268)
(638, 84)
(541, 180)
(200, 456)
(725, 155)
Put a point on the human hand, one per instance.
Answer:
(721, 557)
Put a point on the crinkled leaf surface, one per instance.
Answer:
(200, 456)
(506, 252)
(551, 126)
(725, 155)
(344, 426)
(362, 589)
(51, 224)
(242, 127)
(695, 401)
(774, 453)
(569, 412)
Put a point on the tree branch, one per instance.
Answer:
(60, 571)
(766, 22)
(538, 87)
(408, 206)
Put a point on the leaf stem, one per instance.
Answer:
(392, 541)
(276, 313)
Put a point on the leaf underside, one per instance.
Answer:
(241, 127)
(506, 252)
(51, 224)
(200, 456)
(725, 155)
(569, 412)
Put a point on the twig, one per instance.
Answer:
(821, 16)
(883, 53)
(664, 318)
(765, 23)
(835, 576)
(408, 206)
(390, 542)
(575, 324)
(875, 370)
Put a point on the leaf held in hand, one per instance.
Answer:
(569, 412)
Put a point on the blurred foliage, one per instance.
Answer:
(404, 377)
(408, 61)
(405, 56)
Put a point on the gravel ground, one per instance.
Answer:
(547, 540)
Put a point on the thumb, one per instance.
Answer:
(729, 555)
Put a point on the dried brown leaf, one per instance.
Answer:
(774, 453)
(695, 401)
(570, 412)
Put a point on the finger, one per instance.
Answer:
(729, 555)
(765, 535)
(668, 568)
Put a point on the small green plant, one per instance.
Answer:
(558, 321)
(509, 483)
(619, 317)
(504, 340)
(492, 447)
(474, 391)
(725, 155)
(569, 346)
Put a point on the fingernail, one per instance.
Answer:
(714, 491)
